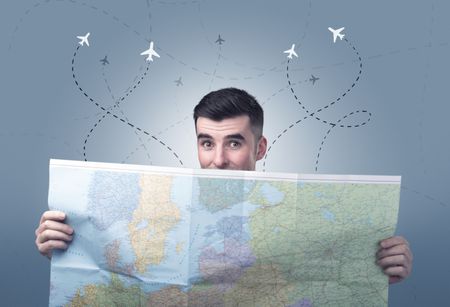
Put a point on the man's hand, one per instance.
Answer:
(395, 258)
(52, 233)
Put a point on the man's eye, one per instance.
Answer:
(234, 144)
(206, 144)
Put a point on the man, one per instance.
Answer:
(229, 126)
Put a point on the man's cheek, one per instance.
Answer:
(207, 158)
(201, 158)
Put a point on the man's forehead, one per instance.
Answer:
(236, 124)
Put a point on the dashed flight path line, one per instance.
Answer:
(149, 16)
(425, 196)
(282, 90)
(307, 23)
(425, 88)
(244, 65)
(341, 126)
(114, 115)
(127, 27)
(159, 133)
(116, 104)
(142, 143)
(334, 101)
(215, 68)
(313, 114)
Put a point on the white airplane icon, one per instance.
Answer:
(150, 52)
(84, 39)
(337, 33)
(291, 52)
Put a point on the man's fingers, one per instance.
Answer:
(392, 241)
(399, 271)
(394, 279)
(50, 234)
(46, 247)
(52, 215)
(397, 260)
(402, 249)
(53, 225)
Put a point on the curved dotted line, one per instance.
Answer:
(174, 124)
(123, 114)
(274, 68)
(149, 16)
(93, 7)
(89, 134)
(422, 106)
(337, 99)
(16, 28)
(431, 198)
(95, 126)
(129, 91)
(278, 137)
(334, 126)
(128, 27)
(86, 117)
(159, 133)
(350, 114)
(243, 65)
(117, 20)
(215, 68)
(282, 90)
(380, 55)
(311, 114)
(202, 26)
(142, 145)
(308, 19)
(114, 115)
(121, 111)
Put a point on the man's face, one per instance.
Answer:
(228, 144)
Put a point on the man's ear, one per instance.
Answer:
(261, 149)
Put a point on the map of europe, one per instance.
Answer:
(154, 236)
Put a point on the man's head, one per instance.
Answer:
(229, 124)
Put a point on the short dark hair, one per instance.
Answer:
(231, 102)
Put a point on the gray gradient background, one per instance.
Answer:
(404, 84)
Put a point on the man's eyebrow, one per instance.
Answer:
(203, 136)
(236, 136)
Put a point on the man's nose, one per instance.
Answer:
(220, 158)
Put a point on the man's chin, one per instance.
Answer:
(228, 168)
(231, 168)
